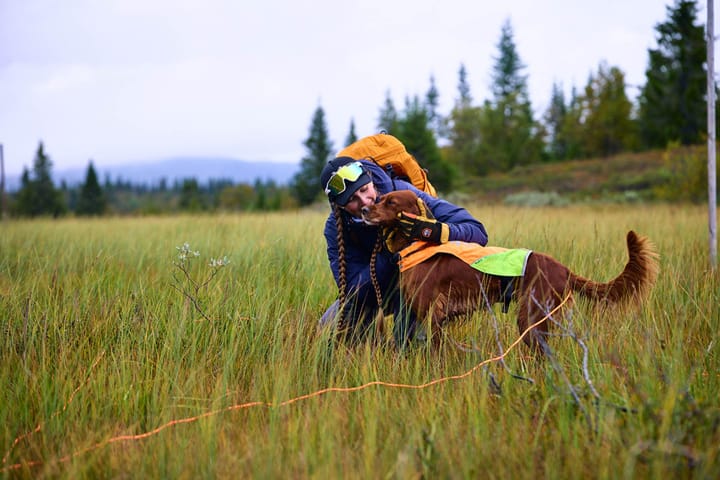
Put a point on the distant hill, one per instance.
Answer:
(200, 168)
(637, 173)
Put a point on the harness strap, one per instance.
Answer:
(507, 288)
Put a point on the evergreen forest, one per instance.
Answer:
(651, 147)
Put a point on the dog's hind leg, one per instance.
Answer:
(542, 291)
(435, 318)
(527, 312)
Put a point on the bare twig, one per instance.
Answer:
(193, 300)
(557, 367)
(474, 349)
(488, 305)
(586, 374)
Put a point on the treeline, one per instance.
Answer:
(38, 196)
(188, 195)
(503, 132)
(474, 139)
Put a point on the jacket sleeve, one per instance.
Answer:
(463, 226)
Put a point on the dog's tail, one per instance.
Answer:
(635, 281)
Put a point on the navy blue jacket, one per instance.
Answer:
(359, 238)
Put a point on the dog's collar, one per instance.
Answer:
(414, 248)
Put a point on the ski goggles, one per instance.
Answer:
(339, 180)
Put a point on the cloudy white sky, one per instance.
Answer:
(121, 81)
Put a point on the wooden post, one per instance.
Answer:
(712, 186)
(2, 183)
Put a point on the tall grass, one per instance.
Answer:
(101, 347)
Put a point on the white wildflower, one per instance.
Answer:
(219, 262)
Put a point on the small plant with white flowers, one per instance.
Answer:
(219, 262)
(188, 285)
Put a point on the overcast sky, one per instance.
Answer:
(121, 81)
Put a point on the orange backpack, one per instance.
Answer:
(389, 152)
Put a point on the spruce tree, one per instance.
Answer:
(432, 103)
(608, 128)
(554, 118)
(92, 199)
(261, 195)
(388, 118)
(463, 129)
(25, 197)
(672, 102)
(507, 77)
(419, 140)
(510, 134)
(305, 185)
(571, 129)
(465, 98)
(38, 195)
(190, 196)
(352, 136)
(48, 197)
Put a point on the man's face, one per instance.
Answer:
(364, 196)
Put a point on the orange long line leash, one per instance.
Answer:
(150, 433)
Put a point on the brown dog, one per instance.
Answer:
(444, 286)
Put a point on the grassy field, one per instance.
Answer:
(116, 364)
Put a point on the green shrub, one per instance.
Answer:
(535, 199)
(685, 174)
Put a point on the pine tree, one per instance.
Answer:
(435, 120)
(305, 186)
(37, 195)
(554, 118)
(190, 196)
(352, 136)
(92, 199)
(25, 197)
(261, 195)
(571, 129)
(672, 102)
(608, 128)
(388, 118)
(465, 98)
(463, 129)
(48, 197)
(419, 140)
(510, 134)
(507, 79)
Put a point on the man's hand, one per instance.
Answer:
(418, 227)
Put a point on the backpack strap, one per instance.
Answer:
(391, 174)
(388, 169)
